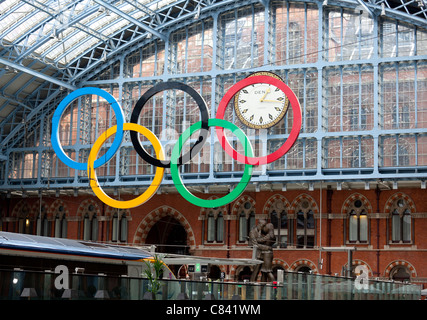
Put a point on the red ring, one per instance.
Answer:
(296, 126)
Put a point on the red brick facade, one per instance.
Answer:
(382, 254)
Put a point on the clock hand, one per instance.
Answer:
(271, 100)
(267, 92)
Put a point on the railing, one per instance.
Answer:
(16, 285)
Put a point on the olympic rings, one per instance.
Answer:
(57, 118)
(155, 184)
(296, 127)
(237, 191)
(176, 158)
(204, 117)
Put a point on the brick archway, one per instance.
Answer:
(303, 262)
(154, 216)
(83, 208)
(396, 263)
(281, 263)
(312, 204)
(54, 207)
(356, 196)
(273, 200)
(240, 202)
(396, 196)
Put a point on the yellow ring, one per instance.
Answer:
(93, 179)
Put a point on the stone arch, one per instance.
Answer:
(110, 211)
(236, 270)
(273, 200)
(205, 211)
(20, 208)
(303, 262)
(54, 208)
(301, 200)
(35, 209)
(350, 200)
(396, 263)
(154, 216)
(83, 208)
(240, 202)
(280, 262)
(399, 195)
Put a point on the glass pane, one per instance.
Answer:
(395, 226)
(211, 228)
(220, 229)
(242, 228)
(406, 227)
(94, 229)
(123, 229)
(310, 220)
(363, 227)
(86, 229)
(283, 220)
(353, 228)
(64, 228)
(300, 220)
(274, 219)
(57, 228)
(115, 229)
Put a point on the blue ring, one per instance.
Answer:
(57, 119)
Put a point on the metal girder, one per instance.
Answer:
(17, 130)
(145, 9)
(365, 7)
(168, 19)
(46, 37)
(14, 101)
(37, 74)
(131, 19)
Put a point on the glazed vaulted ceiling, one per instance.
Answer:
(48, 46)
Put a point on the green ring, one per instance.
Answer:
(237, 191)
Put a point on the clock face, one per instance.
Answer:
(261, 105)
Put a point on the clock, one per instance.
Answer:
(261, 105)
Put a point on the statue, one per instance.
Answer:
(262, 238)
(254, 235)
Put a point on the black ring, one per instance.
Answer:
(203, 132)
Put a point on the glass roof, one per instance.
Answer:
(59, 31)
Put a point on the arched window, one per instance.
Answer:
(279, 219)
(43, 224)
(305, 229)
(305, 224)
(400, 222)
(90, 224)
(400, 273)
(119, 227)
(25, 222)
(215, 226)
(60, 225)
(246, 221)
(358, 223)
